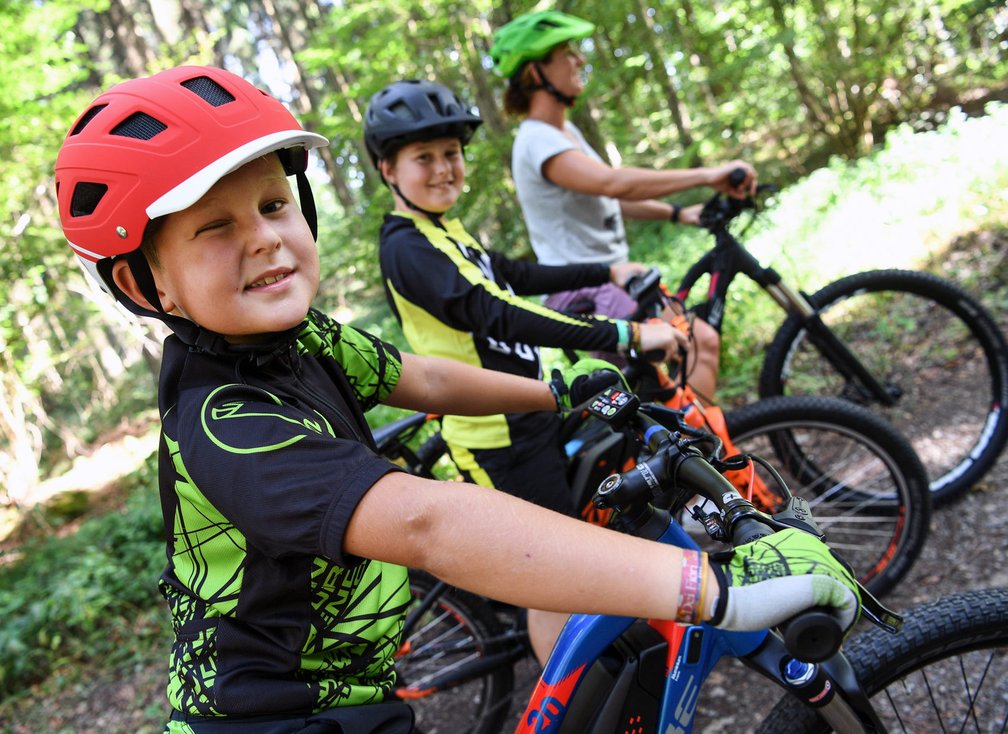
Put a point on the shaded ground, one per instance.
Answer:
(967, 549)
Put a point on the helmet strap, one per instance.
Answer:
(434, 216)
(144, 278)
(140, 268)
(307, 203)
(546, 85)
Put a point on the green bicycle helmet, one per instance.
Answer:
(530, 37)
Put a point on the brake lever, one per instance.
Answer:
(877, 613)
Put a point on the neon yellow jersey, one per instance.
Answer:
(265, 454)
(456, 299)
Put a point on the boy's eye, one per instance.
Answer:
(210, 226)
(272, 207)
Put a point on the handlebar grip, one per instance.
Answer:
(812, 636)
(736, 177)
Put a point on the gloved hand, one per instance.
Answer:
(583, 380)
(768, 581)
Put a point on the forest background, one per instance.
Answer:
(816, 93)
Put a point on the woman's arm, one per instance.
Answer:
(652, 209)
(576, 171)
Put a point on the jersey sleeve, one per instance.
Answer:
(286, 476)
(463, 294)
(529, 278)
(372, 366)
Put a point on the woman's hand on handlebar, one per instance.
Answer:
(660, 336)
(620, 273)
(736, 179)
(770, 580)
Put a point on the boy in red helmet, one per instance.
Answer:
(287, 535)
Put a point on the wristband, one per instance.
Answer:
(623, 336)
(556, 396)
(635, 338)
(692, 587)
(674, 216)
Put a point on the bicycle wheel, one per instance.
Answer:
(458, 630)
(866, 487)
(933, 347)
(945, 671)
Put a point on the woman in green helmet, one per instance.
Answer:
(573, 202)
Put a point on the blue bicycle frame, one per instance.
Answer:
(691, 654)
(655, 688)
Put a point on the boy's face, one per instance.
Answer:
(241, 261)
(429, 173)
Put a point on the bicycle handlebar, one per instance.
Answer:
(677, 470)
(721, 209)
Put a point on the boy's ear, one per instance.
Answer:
(386, 169)
(126, 281)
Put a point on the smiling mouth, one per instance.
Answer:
(268, 280)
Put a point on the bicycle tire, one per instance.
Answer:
(459, 628)
(958, 640)
(867, 489)
(954, 383)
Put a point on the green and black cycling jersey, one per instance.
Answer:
(456, 299)
(265, 454)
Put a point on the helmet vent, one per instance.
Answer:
(210, 91)
(402, 111)
(442, 106)
(87, 117)
(139, 125)
(86, 197)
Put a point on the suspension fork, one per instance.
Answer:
(727, 259)
(831, 687)
(834, 351)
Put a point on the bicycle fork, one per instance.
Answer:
(825, 341)
(831, 687)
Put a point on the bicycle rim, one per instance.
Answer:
(945, 671)
(459, 629)
(867, 491)
(928, 342)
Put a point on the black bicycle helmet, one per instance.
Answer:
(411, 110)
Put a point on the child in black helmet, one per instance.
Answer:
(287, 535)
(456, 299)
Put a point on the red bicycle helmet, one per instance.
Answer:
(153, 146)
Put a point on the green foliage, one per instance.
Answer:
(895, 208)
(74, 597)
